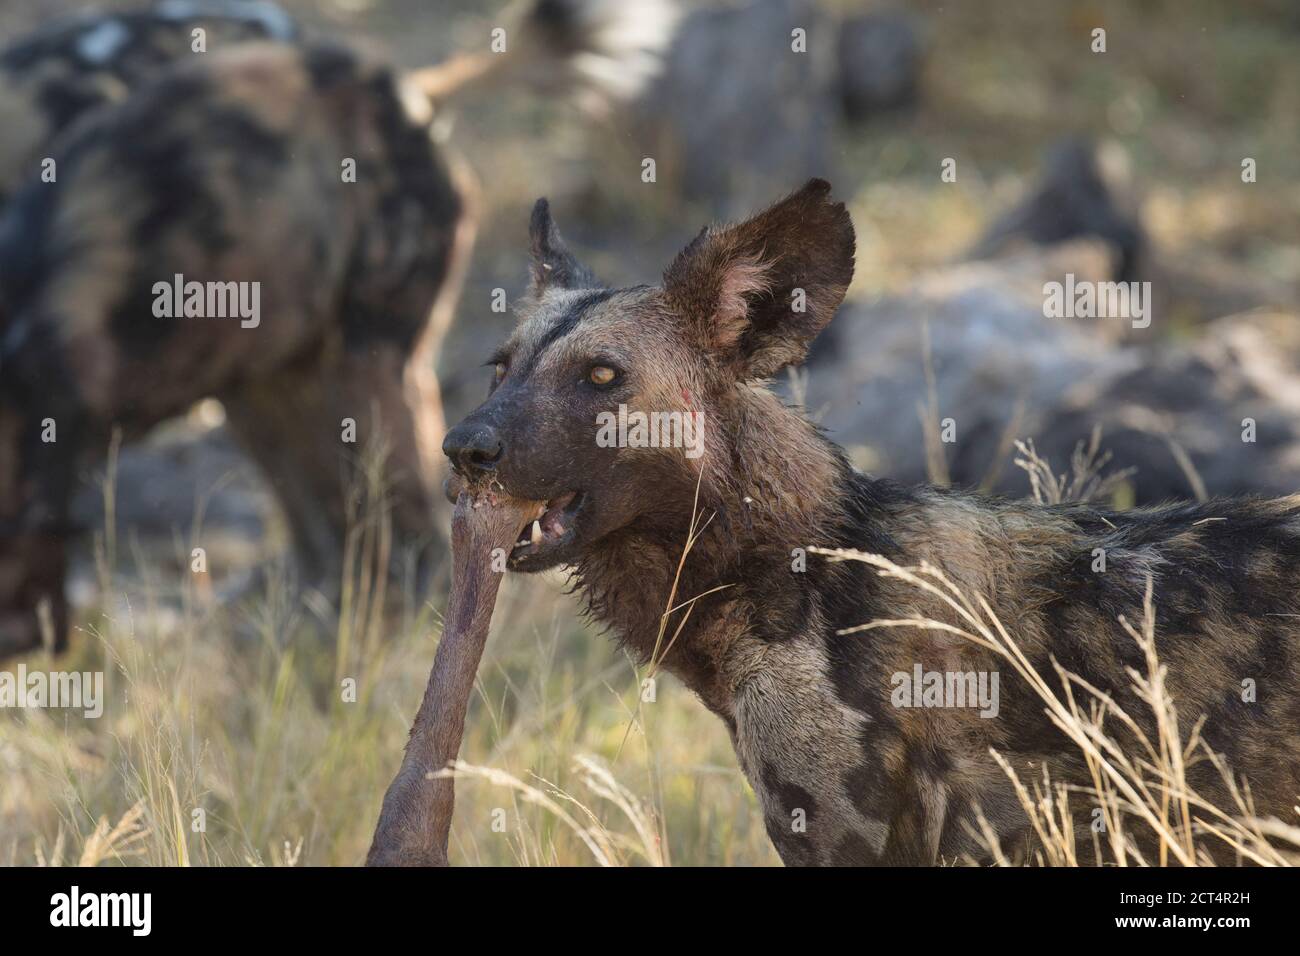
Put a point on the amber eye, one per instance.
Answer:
(602, 375)
(500, 370)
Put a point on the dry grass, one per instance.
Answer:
(256, 735)
(1086, 480)
(239, 712)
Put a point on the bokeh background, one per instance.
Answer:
(234, 706)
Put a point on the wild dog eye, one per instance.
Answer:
(602, 375)
(499, 370)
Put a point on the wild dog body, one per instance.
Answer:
(810, 710)
(229, 169)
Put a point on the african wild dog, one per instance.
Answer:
(225, 168)
(809, 710)
(303, 172)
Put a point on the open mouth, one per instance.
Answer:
(551, 532)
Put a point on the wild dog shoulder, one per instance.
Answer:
(799, 745)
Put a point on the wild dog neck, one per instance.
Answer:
(771, 484)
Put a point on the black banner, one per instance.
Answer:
(333, 907)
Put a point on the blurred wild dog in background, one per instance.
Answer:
(971, 340)
(69, 67)
(844, 775)
(299, 175)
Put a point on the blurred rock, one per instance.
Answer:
(1244, 367)
(989, 349)
(880, 58)
(183, 475)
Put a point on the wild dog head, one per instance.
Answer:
(737, 304)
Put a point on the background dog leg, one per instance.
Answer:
(284, 427)
(297, 431)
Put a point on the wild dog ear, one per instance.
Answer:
(758, 292)
(553, 266)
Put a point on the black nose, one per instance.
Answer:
(472, 446)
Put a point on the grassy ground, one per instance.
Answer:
(244, 712)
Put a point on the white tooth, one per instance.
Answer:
(559, 529)
(537, 532)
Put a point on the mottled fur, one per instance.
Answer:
(229, 167)
(809, 709)
(70, 67)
